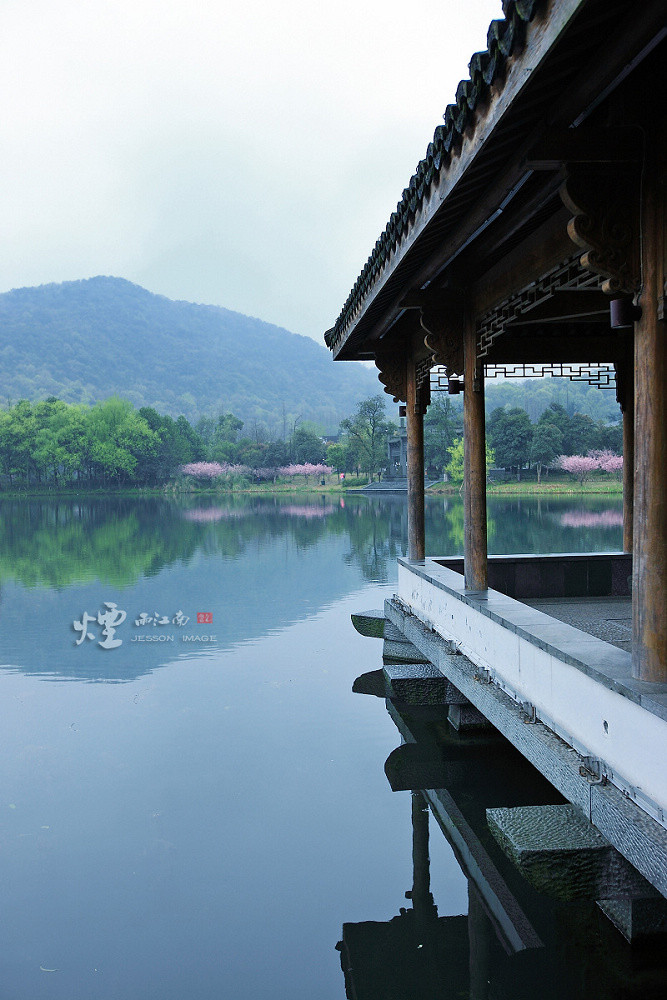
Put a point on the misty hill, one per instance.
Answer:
(83, 341)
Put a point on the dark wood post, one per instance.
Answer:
(649, 608)
(474, 463)
(628, 461)
(415, 425)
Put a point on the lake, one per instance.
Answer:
(193, 800)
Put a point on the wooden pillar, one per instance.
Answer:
(628, 460)
(649, 583)
(415, 425)
(474, 464)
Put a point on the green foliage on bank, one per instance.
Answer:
(111, 446)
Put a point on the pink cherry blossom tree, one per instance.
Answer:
(305, 469)
(608, 461)
(581, 466)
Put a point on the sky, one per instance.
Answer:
(246, 155)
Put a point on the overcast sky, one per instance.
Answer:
(243, 154)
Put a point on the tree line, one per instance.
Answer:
(112, 444)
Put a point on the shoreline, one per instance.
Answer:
(496, 489)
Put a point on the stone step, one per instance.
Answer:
(464, 717)
(421, 684)
(395, 651)
(370, 623)
(562, 854)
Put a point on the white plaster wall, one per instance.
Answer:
(568, 700)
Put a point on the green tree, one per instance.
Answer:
(440, 425)
(50, 452)
(307, 446)
(277, 454)
(556, 415)
(338, 457)
(19, 441)
(547, 443)
(511, 433)
(177, 444)
(455, 466)
(228, 427)
(609, 437)
(581, 436)
(368, 431)
(119, 438)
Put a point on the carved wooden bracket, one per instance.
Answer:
(443, 325)
(605, 223)
(392, 365)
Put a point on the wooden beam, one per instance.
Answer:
(628, 474)
(614, 60)
(555, 345)
(474, 463)
(546, 247)
(567, 305)
(621, 144)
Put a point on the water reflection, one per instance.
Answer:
(417, 953)
(59, 544)
(228, 559)
(514, 942)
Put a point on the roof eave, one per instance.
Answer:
(350, 341)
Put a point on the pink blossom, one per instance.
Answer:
(592, 519)
(608, 461)
(580, 466)
(203, 515)
(307, 469)
(212, 470)
(306, 510)
(202, 470)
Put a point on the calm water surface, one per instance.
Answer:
(197, 809)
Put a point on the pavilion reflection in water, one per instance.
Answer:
(517, 940)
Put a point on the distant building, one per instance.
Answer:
(397, 453)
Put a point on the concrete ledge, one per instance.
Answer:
(604, 663)
(637, 836)
(636, 918)
(412, 767)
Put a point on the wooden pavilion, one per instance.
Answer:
(531, 240)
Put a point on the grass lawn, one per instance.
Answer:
(552, 486)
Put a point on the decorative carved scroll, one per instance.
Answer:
(423, 386)
(443, 325)
(392, 365)
(605, 223)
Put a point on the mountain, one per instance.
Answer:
(83, 341)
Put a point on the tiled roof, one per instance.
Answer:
(504, 38)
